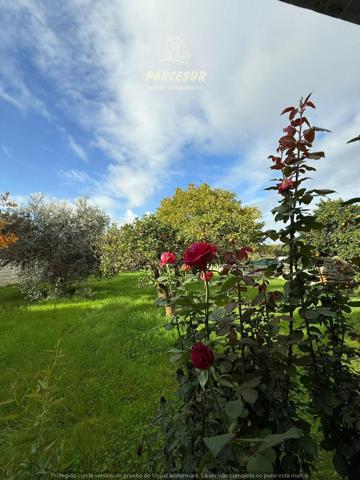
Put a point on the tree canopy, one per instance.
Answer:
(138, 245)
(211, 214)
(340, 235)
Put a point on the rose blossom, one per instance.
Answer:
(199, 254)
(167, 258)
(206, 276)
(202, 357)
(285, 185)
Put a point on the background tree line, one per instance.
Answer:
(56, 243)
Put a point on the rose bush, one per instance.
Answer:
(256, 365)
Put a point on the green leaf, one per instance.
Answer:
(217, 443)
(226, 366)
(309, 445)
(254, 382)
(203, 377)
(261, 463)
(351, 201)
(249, 395)
(323, 191)
(229, 282)
(276, 438)
(234, 408)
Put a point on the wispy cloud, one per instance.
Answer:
(77, 176)
(77, 149)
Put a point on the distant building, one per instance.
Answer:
(8, 276)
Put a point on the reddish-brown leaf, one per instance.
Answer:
(356, 139)
(310, 104)
(287, 109)
(309, 135)
(293, 113)
(318, 129)
(307, 98)
(290, 130)
(287, 141)
(316, 155)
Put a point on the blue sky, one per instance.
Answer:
(79, 116)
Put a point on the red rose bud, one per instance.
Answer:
(199, 254)
(185, 268)
(242, 254)
(202, 357)
(167, 258)
(206, 276)
(285, 185)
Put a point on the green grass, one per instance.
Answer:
(114, 370)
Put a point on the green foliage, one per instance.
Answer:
(281, 357)
(340, 234)
(138, 245)
(57, 242)
(211, 214)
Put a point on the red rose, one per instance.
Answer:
(285, 185)
(206, 276)
(202, 357)
(243, 253)
(167, 258)
(199, 254)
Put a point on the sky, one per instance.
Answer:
(88, 105)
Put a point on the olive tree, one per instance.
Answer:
(57, 240)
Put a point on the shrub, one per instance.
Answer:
(255, 365)
(138, 245)
(57, 242)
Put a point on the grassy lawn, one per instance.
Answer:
(114, 369)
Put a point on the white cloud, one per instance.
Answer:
(77, 149)
(259, 56)
(128, 217)
(78, 176)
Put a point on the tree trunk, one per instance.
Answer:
(163, 293)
